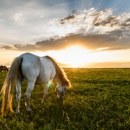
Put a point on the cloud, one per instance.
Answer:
(68, 18)
(90, 21)
(97, 42)
(7, 47)
(27, 22)
(95, 30)
(17, 16)
(108, 21)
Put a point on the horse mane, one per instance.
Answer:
(60, 73)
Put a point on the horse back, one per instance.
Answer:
(37, 69)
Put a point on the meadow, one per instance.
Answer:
(98, 100)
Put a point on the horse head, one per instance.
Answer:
(61, 89)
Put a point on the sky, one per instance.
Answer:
(77, 33)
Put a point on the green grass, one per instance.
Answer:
(98, 100)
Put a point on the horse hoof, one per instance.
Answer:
(29, 110)
(17, 112)
(43, 101)
(12, 111)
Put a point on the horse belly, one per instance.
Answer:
(45, 75)
(42, 79)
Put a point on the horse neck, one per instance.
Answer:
(59, 82)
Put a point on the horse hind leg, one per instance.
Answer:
(28, 95)
(18, 95)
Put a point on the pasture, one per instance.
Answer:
(98, 100)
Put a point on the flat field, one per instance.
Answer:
(98, 100)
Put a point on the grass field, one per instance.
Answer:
(98, 100)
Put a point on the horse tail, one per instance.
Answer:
(9, 83)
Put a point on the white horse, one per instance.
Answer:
(35, 70)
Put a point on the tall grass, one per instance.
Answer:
(98, 100)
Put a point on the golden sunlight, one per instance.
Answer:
(73, 56)
(78, 56)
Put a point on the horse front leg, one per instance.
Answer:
(46, 90)
(28, 95)
(45, 93)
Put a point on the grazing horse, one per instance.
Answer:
(35, 70)
(3, 68)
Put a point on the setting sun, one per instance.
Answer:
(73, 56)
